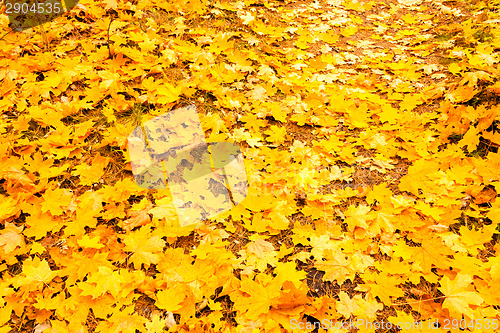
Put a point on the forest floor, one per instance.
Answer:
(370, 135)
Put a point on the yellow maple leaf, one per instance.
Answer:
(470, 139)
(214, 122)
(336, 266)
(144, 247)
(277, 134)
(384, 287)
(137, 218)
(102, 281)
(349, 31)
(288, 272)
(259, 247)
(111, 4)
(109, 79)
(347, 306)
(167, 93)
(357, 216)
(258, 93)
(171, 298)
(259, 298)
(11, 237)
(320, 244)
(471, 78)
(88, 242)
(460, 294)
(259, 254)
(55, 200)
(462, 94)
(156, 324)
(91, 173)
(36, 272)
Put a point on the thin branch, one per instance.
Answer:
(109, 47)
(425, 300)
(6, 34)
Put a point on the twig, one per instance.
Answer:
(6, 34)
(109, 47)
(420, 301)
(45, 39)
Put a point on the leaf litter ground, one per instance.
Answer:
(370, 136)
